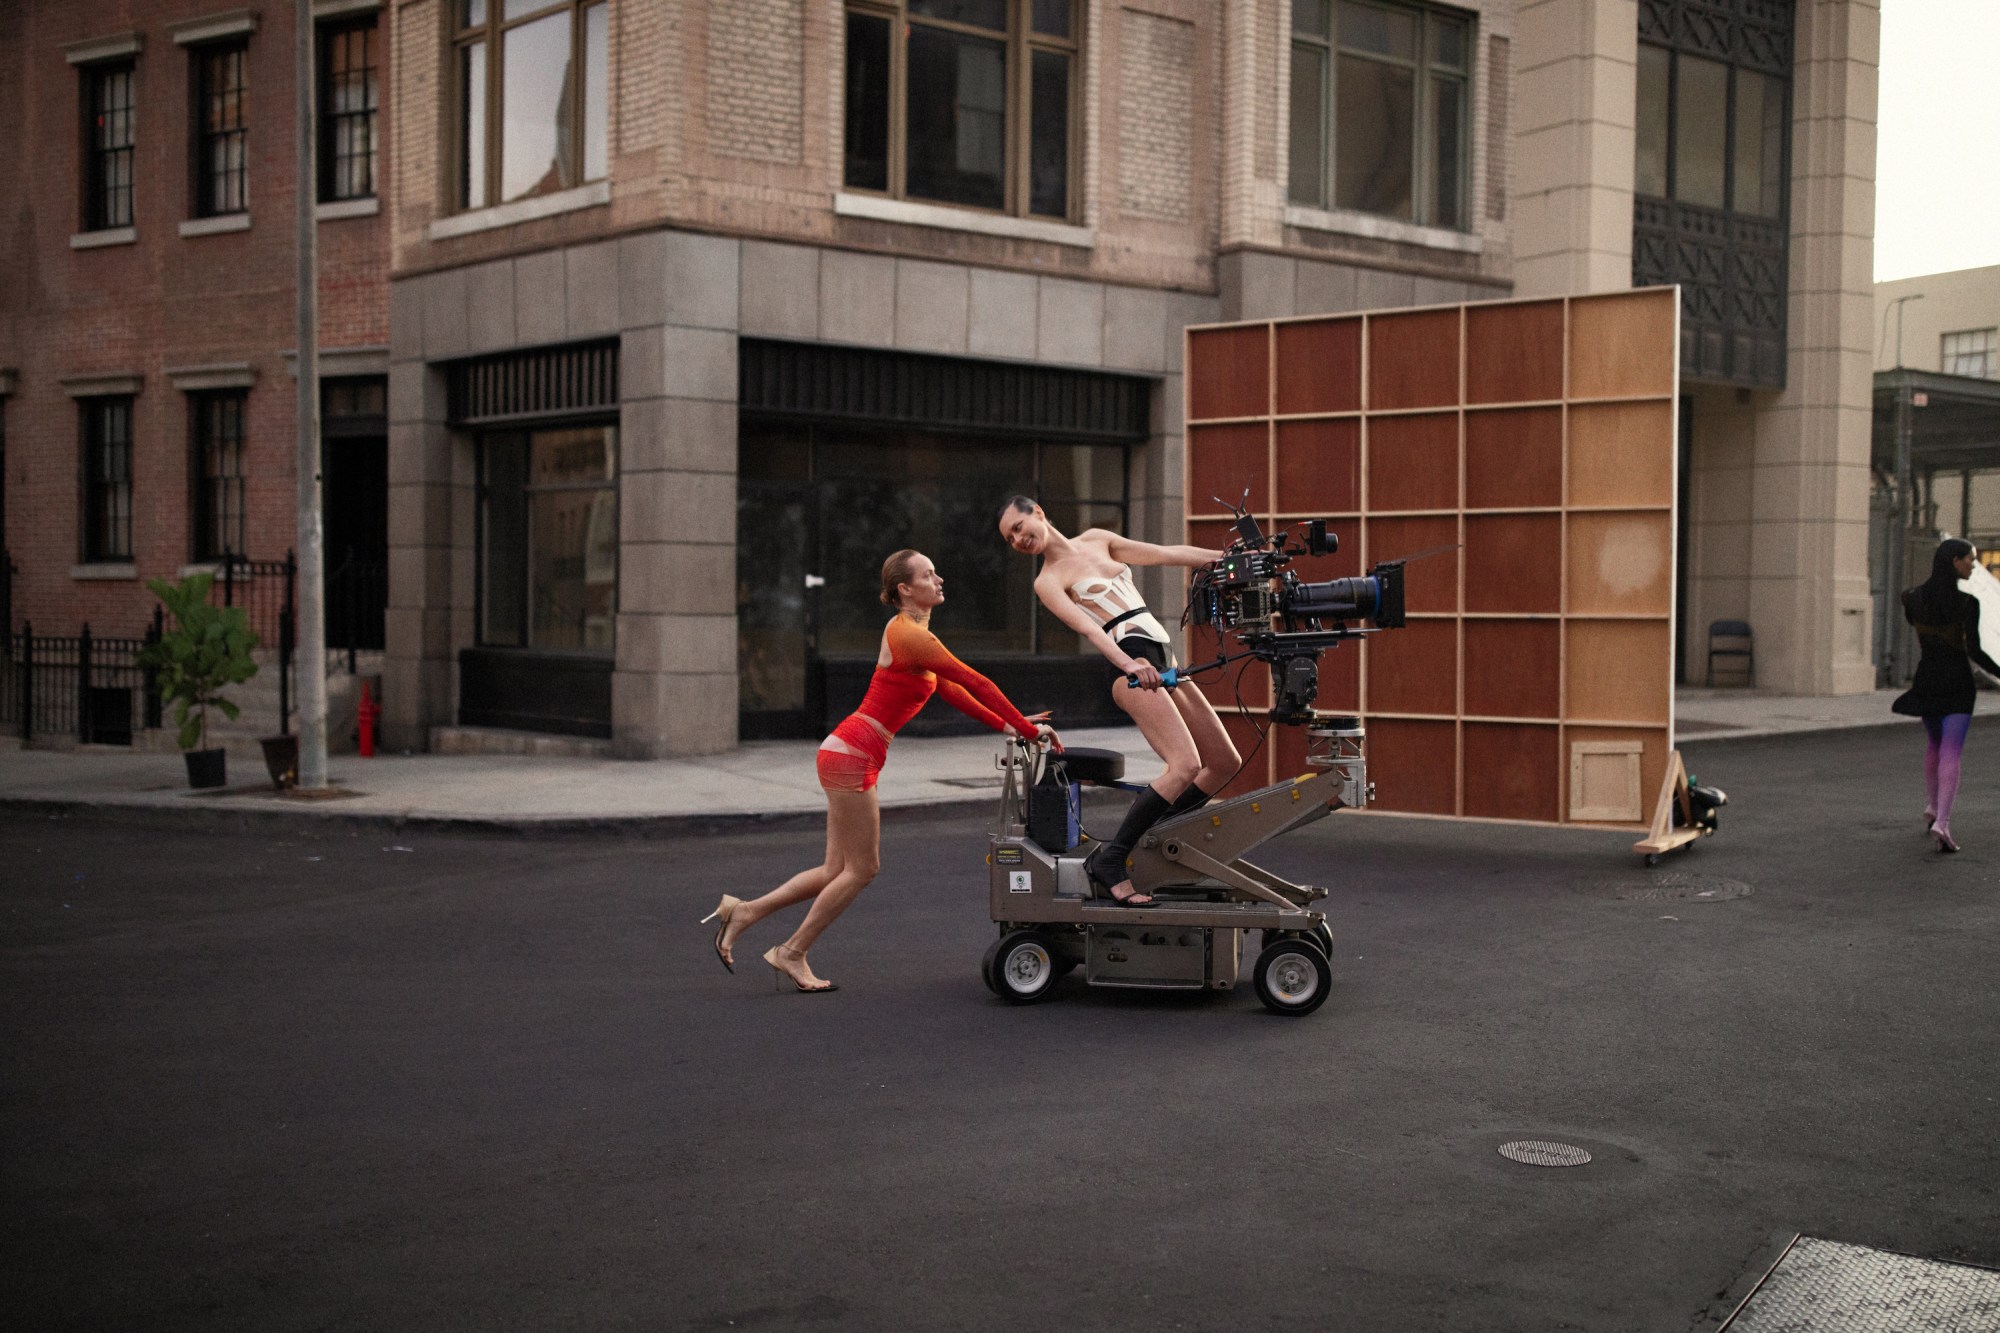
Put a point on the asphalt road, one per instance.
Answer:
(339, 1080)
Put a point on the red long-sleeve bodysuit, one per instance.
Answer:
(851, 758)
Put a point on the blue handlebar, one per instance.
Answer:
(1168, 678)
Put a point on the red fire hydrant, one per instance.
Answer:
(366, 714)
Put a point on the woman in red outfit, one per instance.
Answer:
(911, 665)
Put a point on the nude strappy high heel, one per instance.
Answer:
(723, 910)
(781, 976)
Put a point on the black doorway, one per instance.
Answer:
(354, 490)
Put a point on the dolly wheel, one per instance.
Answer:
(1293, 977)
(1024, 968)
(1322, 935)
(986, 965)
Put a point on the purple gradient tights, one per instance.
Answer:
(1941, 762)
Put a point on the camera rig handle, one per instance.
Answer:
(1170, 679)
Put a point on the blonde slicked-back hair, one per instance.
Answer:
(896, 572)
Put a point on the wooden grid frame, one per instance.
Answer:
(1533, 440)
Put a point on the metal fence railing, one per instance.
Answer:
(84, 688)
(265, 589)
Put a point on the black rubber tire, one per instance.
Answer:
(1024, 968)
(1292, 977)
(1322, 935)
(986, 965)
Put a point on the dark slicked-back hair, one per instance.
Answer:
(1936, 597)
(1017, 503)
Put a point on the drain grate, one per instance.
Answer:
(1677, 887)
(1839, 1288)
(1540, 1152)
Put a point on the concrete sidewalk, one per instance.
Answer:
(760, 781)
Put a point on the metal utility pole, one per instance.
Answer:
(311, 599)
(1899, 303)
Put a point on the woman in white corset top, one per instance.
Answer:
(1086, 582)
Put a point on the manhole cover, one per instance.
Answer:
(1539, 1152)
(1678, 887)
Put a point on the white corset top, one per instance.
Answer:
(1109, 599)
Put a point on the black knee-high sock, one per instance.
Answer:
(1194, 798)
(1107, 864)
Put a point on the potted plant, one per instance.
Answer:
(204, 650)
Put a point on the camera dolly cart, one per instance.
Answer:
(1206, 894)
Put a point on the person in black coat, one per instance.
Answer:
(1947, 624)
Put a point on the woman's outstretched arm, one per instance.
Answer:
(958, 683)
(1130, 551)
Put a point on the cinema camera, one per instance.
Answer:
(1209, 897)
(1252, 596)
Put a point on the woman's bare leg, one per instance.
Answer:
(1219, 759)
(1160, 722)
(806, 884)
(854, 839)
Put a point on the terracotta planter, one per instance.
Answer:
(281, 760)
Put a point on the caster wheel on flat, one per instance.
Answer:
(1292, 977)
(1652, 859)
(1024, 968)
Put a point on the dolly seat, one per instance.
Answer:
(1097, 767)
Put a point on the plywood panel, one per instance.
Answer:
(1414, 765)
(1228, 372)
(1430, 582)
(1340, 680)
(1512, 772)
(1621, 345)
(1652, 758)
(1319, 467)
(1513, 668)
(1621, 564)
(1514, 458)
(1222, 460)
(1414, 669)
(1614, 670)
(1244, 684)
(1413, 462)
(1513, 562)
(1514, 352)
(1413, 360)
(1319, 366)
(1211, 534)
(1621, 454)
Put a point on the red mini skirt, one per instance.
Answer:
(851, 758)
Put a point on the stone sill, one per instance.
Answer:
(216, 226)
(333, 210)
(96, 240)
(594, 195)
(1344, 223)
(106, 572)
(947, 218)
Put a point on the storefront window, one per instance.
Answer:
(549, 539)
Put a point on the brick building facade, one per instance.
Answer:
(169, 316)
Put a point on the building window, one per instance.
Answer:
(107, 138)
(107, 479)
(1973, 352)
(966, 102)
(349, 92)
(221, 130)
(532, 97)
(1709, 134)
(548, 538)
(218, 471)
(1378, 110)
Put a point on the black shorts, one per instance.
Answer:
(1145, 650)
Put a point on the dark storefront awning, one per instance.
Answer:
(1954, 421)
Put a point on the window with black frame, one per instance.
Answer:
(221, 129)
(218, 471)
(548, 536)
(1379, 119)
(107, 142)
(968, 102)
(532, 97)
(1709, 133)
(349, 94)
(106, 480)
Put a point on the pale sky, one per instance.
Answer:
(1937, 175)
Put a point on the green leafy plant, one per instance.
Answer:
(204, 650)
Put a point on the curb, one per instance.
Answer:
(528, 826)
